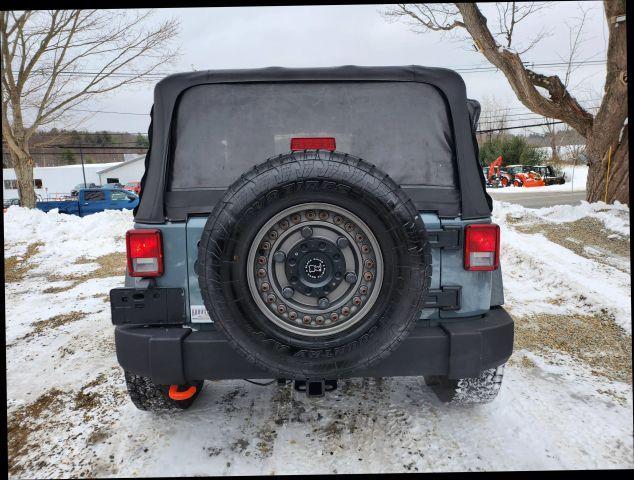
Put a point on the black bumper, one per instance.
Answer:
(458, 348)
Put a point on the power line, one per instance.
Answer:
(520, 126)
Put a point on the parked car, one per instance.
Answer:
(79, 186)
(93, 200)
(133, 187)
(345, 232)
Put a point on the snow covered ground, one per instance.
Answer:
(566, 400)
(576, 177)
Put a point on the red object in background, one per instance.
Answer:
(313, 143)
(482, 246)
(144, 249)
(496, 163)
(134, 187)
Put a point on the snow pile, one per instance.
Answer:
(64, 238)
(542, 276)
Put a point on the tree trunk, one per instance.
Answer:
(618, 181)
(23, 167)
(610, 129)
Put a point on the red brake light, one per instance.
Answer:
(482, 246)
(323, 143)
(145, 253)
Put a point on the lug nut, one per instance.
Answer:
(279, 256)
(342, 242)
(281, 308)
(349, 227)
(307, 232)
(270, 298)
(319, 320)
(365, 248)
(363, 289)
(265, 287)
(307, 319)
(273, 234)
(359, 237)
(337, 275)
(369, 263)
(292, 315)
(288, 292)
(334, 317)
(338, 219)
(345, 311)
(356, 301)
(351, 277)
(266, 245)
(310, 214)
(284, 224)
(262, 260)
(324, 302)
(367, 276)
(323, 215)
(322, 246)
(261, 273)
(295, 218)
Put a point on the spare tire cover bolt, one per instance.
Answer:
(279, 256)
(307, 232)
(342, 242)
(324, 302)
(288, 292)
(261, 273)
(351, 277)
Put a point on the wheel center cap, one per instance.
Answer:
(315, 268)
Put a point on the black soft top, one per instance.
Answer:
(469, 200)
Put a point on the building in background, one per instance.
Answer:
(51, 182)
(131, 170)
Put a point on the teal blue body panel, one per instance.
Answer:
(180, 247)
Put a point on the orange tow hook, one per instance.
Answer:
(174, 394)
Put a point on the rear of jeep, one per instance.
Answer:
(310, 225)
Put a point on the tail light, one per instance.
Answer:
(482, 246)
(317, 143)
(145, 253)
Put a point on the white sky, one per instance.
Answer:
(250, 37)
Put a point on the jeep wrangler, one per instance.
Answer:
(310, 225)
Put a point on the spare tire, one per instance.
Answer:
(314, 264)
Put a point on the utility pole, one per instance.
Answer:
(83, 171)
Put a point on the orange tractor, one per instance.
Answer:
(525, 176)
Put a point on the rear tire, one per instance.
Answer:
(148, 396)
(468, 391)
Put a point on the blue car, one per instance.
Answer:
(93, 200)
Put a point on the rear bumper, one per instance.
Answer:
(458, 348)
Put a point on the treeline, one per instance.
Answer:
(62, 147)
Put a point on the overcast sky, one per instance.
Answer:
(249, 37)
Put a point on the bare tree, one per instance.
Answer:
(53, 61)
(606, 132)
(553, 140)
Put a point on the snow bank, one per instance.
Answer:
(65, 238)
(541, 276)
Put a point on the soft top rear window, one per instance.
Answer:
(222, 130)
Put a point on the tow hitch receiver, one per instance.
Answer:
(315, 388)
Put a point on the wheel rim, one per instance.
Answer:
(315, 269)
